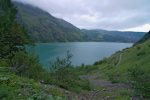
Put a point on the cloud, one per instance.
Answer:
(101, 14)
(142, 28)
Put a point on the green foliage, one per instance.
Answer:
(65, 76)
(13, 87)
(3, 63)
(61, 64)
(6, 93)
(19, 70)
(12, 35)
(27, 65)
(100, 62)
(113, 75)
(139, 79)
(133, 67)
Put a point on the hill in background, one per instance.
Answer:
(112, 36)
(43, 27)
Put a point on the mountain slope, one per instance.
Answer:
(145, 38)
(130, 66)
(43, 27)
(113, 36)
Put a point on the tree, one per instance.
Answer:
(13, 37)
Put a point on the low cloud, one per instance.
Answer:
(98, 14)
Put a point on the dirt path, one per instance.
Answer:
(120, 58)
(106, 91)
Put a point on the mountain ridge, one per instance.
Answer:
(39, 22)
(43, 27)
(113, 36)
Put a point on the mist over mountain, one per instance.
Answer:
(43, 27)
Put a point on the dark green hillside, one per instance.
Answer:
(43, 27)
(112, 36)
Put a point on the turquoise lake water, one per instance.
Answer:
(83, 52)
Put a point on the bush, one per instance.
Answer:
(113, 75)
(139, 79)
(65, 75)
(100, 62)
(8, 93)
(3, 63)
(28, 66)
(141, 53)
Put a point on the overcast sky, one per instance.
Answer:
(132, 15)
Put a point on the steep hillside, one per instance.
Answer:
(130, 66)
(13, 87)
(112, 36)
(138, 55)
(43, 27)
(145, 38)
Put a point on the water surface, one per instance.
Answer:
(83, 52)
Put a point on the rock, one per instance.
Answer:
(67, 92)
(19, 94)
(104, 90)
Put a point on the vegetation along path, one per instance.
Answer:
(120, 58)
(104, 90)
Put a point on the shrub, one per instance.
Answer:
(139, 79)
(141, 53)
(138, 47)
(100, 62)
(113, 75)
(8, 93)
(3, 63)
(28, 66)
(65, 75)
(13, 36)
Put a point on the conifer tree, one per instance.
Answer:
(12, 36)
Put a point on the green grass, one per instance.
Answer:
(133, 68)
(13, 87)
(136, 56)
(48, 85)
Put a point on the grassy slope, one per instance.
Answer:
(116, 69)
(137, 56)
(13, 87)
(23, 88)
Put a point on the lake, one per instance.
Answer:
(83, 52)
